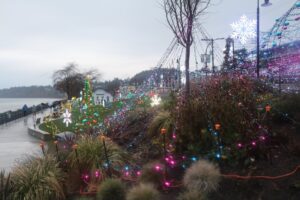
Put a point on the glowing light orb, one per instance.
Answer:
(244, 29)
(155, 100)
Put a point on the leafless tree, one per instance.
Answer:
(71, 81)
(182, 16)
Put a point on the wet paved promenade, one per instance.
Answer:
(16, 142)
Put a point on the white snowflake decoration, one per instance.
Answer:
(155, 100)
(244, 29)
(67, 117)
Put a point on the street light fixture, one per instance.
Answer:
(265, 4)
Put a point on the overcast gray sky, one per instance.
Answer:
(119, 38)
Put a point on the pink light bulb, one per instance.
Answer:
(172, 162)
(167, 183)
(253, 143)
(174, 136)
(239, 145)
(138, 173)
(157, 167)
(126, 173)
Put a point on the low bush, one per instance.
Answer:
(111, 189)
(191, 195)
(151, 173)
(84, 198)
(202, 177)
(143, 192)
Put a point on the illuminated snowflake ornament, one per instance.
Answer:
(244, 29)
(155, 100)
(67, 117)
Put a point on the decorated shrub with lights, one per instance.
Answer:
(220, 118)
(286, 109)
(88, 113)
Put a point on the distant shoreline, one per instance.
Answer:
(31, 98)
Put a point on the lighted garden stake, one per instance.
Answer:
(42, 145)
(163, 131)
(102, 137)
(74, 147)
(56, 147)
(218, 127)
(268, 108)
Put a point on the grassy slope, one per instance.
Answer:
(61, 127)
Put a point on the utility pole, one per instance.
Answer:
(266, 3)
(212, 56)
(257, 41)
(212, 40)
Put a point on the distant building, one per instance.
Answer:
(102, 97)
(126, 91)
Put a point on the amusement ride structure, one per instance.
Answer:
(279, 53)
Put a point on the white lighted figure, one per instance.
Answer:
(67, 117)
(244, 29)
(155, 100)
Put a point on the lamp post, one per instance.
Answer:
(265, 4)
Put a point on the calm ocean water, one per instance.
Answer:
(13, 104)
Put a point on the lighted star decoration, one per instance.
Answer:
(155, 100)
(244, 29)
(67, 118)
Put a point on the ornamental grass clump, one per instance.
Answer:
(162, 120)
(143, 192)
(202, 177)
(111, 189)
(6, 188)
(38, 178)
(91, 154)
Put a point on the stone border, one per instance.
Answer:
(37, 133)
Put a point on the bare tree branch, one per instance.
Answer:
(182, 16)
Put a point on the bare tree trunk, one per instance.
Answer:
(187, 71)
